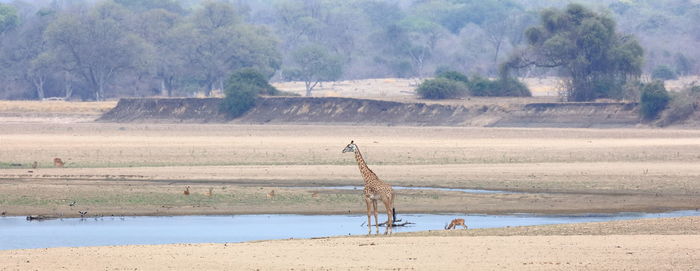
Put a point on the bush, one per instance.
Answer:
(242, 89)
(682, 105)
(513, 87)
(663, 72)
(453, 75)
(480, 86)
(653, 100)
(239, 98)
(441, 88)
(255, 78)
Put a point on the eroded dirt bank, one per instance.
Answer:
(315, 110)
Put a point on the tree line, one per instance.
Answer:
(98, 49)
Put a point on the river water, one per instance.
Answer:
(18, 233)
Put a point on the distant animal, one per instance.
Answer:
(271, 194)
(456, 222)
(35, 164)
(211, 192)
(82, 213)
(187, 191)
(3, 213)
(314, 195)
(71, 204)
(57, 162)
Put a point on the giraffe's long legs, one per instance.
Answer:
(376, 217)
(369, 215)
(389, 215)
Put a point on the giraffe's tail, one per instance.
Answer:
(393, 215)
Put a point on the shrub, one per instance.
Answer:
(239, 98)
(453, 75)
(682, 105)
(513, 87)
(242, 89)
(480, 86)
(441, 88)
(663, 72)
(653, 100)
(255, 78)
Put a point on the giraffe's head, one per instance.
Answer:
(350, 147)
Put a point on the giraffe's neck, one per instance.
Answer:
(367, 173)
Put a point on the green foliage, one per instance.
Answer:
(481, 86)
(453, 75)
(195, 45)
(682, 105)
(683, 64)
(96, 49)
(477, 86)
(8, 17)
(586, 48)
(441, 88)
(313, 64)
(239, 98)
(654, 98)
(250, 76)
(141, 5)
(664, 72)
(512, 87)
(241, 91)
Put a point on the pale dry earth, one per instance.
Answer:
(122, 169)
(142, 169)
(650, 244)
(404, 88)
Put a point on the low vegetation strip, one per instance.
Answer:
(336, 110)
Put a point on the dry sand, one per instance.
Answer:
(143, 168)
(123, 169)
(651, 244)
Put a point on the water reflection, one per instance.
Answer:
(18, 233)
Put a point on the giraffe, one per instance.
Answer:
(375, 189)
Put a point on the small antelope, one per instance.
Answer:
(57, 162)
(314, 195)
(271, 194)
(456, 222)
(187, 191)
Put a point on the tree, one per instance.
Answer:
(158, 27)
(216, 42)
(313, 64)
(664, 72)
(8, 17)
(144, 5)
(654, 99)
(585, 47)
(95, 48)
